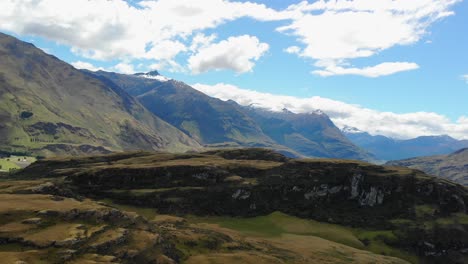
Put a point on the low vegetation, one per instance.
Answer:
(232, 205)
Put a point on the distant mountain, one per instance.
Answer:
(310, 134)
(385, 148)
(453, 166)
(218, 123)
(207, 119)
(48, 107)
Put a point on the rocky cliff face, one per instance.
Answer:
(246, 183)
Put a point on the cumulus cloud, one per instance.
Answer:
(335, 32)
(85, 65)
(401, 126)
(125, 68)
(235, 53)
(200, 40)
(114, 29)
(332, 32)
(122, 67)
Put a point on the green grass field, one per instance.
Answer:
(7, 165)
(278, 224)
(15, 162)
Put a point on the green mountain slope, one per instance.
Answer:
(49, 107)
(453, 166)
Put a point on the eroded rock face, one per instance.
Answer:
(371, 198)
(241, 194)
(355, 180)
(308, 188)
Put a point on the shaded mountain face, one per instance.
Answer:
(208, 120)
(219, 123)
(311, 134)
(453, 166)
(48, 107)
(385, 148)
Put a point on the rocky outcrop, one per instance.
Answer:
(337, 191)
(109, 239)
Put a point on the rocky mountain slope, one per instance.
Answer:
(406, 213)
(214, 122)
(310, 134)
(208, 120)
(49, 107)
(385, 148)
(453, 166)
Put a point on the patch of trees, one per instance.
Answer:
(26, 114)
(4, 153)
(41, 140)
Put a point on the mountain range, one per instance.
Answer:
(217, 123)
(386, 148)
(206, 119)
(311, 134)
(49, 107)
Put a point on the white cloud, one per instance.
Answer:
(382, 69)
(114, 29)
(390, 124)
(165, 49)
(335, 32)
(235, 53)
(465, 78)
(293, 50)
(125, 68)
(201, 41)
(85, 65)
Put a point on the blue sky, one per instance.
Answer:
(379, 65)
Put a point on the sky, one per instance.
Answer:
(391, 67)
